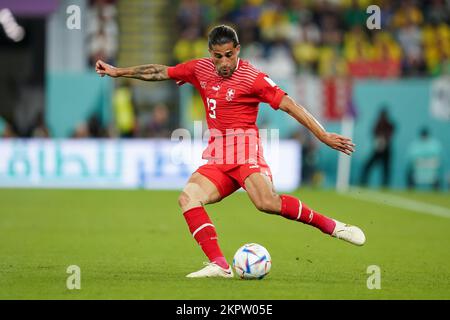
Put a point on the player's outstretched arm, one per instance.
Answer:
(333, 140)
(147, 72)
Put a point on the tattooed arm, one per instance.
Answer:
(147, 72)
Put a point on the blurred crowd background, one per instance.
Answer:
(321, 52)
(327, 38)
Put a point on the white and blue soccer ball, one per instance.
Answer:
(252, 261)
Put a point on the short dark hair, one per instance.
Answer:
(222, 34)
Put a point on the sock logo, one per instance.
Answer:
(311, 216)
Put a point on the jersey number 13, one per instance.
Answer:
(212, 104)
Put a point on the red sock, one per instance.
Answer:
(294, 209)
(205, 234)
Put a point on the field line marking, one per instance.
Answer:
(398, 202)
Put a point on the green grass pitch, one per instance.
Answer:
(136, 245)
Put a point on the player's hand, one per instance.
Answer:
(338, 142)
(102, 68)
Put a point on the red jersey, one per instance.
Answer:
(231, 104)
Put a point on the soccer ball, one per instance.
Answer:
(252, 261)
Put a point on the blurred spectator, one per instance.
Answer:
(359, 66)
(90, 128)
(159, 125)
(436, 42)
(81, 131)
(308, 31)
(332, 33)
(102, 32)
(358, 53)
(102, 47)
(305, 37)
(386, 56)
(190, 14)
(425, 160)
(437, 11)
(382, 132)
(299, 12)
(41, 130)
(253, 49)
(124, 109)
(192, 19)
(306, 56)
(280, 62)
(327, 37)
(410, 39)
(190, 46)
(354, 15)
(443, 67)
(9, 132)
(2, 126)
(386, 14)
(331, 63)
(95, 127)
(408, 13)
(248, 14)
(274, 21)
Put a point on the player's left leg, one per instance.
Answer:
(261, 191)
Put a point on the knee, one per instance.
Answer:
(187, 201)
(270, 204)
(183, 200)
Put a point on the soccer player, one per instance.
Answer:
(231, 90)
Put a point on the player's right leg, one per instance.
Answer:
(200, 191)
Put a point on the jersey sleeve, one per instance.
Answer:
(183, 72)
(268, 91)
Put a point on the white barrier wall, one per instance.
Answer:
(124, 164)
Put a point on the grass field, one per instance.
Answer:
(135, 245)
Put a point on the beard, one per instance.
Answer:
(226, 72)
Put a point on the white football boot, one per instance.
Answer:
(349, 233)
(212, 270)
